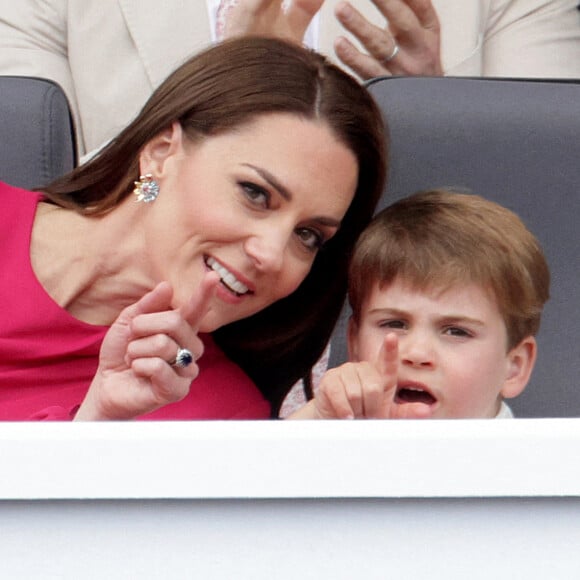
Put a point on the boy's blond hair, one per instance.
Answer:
(436, 239)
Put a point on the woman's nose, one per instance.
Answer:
(267, 248)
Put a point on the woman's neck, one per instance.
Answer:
(92, 267)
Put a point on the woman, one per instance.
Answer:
(255, 164)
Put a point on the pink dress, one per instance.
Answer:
(48, 357)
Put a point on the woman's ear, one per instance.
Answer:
(520, 364)
(160, 149)
(352, 340)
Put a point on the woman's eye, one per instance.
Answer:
(256, 194)
(312, 239)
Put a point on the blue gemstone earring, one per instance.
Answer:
(146, 189)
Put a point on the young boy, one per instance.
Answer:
(446, 291)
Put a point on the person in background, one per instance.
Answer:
(109, 55)
(183, 272)
(447, 292)
(494, 38)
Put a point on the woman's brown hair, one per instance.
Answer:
(214, 92)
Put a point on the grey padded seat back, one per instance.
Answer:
(516, 142)
(36, 132)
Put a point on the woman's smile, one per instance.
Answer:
(228, 279)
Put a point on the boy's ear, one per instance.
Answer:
(158, 150)
(521, 360)
(352, 340)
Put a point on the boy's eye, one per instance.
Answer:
(395, 324)
(312, 239)
(255, 194)
(457, 331)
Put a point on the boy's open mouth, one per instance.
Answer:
(414, 393)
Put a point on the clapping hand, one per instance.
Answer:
(270, 18)
(409, 44)
(137, 372)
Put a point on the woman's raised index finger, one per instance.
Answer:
(196, 308)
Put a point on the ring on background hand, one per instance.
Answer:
(182, 359)
(393, 54)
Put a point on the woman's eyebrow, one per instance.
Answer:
(285, 193)
(272, 180)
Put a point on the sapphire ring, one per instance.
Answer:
(182, 359)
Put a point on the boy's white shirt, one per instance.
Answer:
(504, 412)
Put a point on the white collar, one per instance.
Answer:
(504, 412)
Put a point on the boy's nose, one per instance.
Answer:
(416, 350)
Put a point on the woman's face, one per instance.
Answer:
(254, 205)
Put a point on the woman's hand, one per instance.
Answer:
(408, 45)
(270, 18)
(135, 373)
(357, 390)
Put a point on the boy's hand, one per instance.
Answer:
(135, 373)
(357, 389)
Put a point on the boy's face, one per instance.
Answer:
(453, 359)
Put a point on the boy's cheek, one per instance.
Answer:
(352, 340)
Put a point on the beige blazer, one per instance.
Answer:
(109, 55)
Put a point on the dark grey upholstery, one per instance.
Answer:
(36, 133)
(518, 143)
